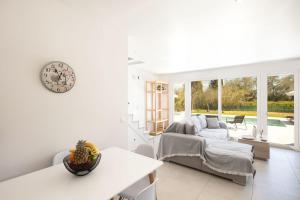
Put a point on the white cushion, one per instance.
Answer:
(219, 134)
(196, 123)
(202, 120)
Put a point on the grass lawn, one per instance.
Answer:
(240, 112)
(199, 111)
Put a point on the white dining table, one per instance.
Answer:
(117, 170)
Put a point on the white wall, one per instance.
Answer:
(91, 36)
(136, 91)
(260, 70)
(137, 104)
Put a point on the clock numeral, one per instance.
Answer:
(58, 90)
(60, 65)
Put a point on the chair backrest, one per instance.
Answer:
(147, 193)
(212, 116)
(239, 118)
(145, 150)
(59, 157)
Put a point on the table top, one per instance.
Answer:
(117, 170)
(253, 140)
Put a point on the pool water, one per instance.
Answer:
(253, 121)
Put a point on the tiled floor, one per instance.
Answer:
(276, 179)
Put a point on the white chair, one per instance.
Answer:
(59, 157)
(140, 191)
(145, 150)
(143, 189)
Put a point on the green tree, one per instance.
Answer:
(197, 94)
(179, 99)
(238, 92)
(278, 88)
(205, 97)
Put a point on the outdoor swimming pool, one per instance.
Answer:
(253, 121)
(279, 122)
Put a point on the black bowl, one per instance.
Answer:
(83, 169)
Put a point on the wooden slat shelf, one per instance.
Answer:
(160, 82)
(155, 109)
(158, 121)
(167, 93)
(157, 106)
(156, 134)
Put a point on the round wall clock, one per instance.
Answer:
(58, 77)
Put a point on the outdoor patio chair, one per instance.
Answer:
(290, 118)
(239, 119)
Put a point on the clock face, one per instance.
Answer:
(58, 77)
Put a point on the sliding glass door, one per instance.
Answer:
(204, 96)
(262, 101)
(280, 123)
(239, 105)
(179, 101)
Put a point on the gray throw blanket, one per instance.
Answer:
(222, 156)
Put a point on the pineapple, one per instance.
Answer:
(81, 154)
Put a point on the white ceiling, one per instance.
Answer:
(184, 35)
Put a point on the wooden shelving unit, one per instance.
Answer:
(157, 106)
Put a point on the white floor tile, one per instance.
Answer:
(275, 179)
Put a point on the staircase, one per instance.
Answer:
(137, 133)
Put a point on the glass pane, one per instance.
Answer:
(281, 109)
(179, 102)
(239, 105)
(205, 97)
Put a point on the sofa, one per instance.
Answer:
(201, 143)
(198, 164)
(207, 127)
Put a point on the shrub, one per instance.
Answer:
(273, 106)
(281, 106)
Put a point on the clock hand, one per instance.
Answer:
(66, 80)
(64, 75)
(59, 76)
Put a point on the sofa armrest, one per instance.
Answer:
(171, 144)
(223, 125)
